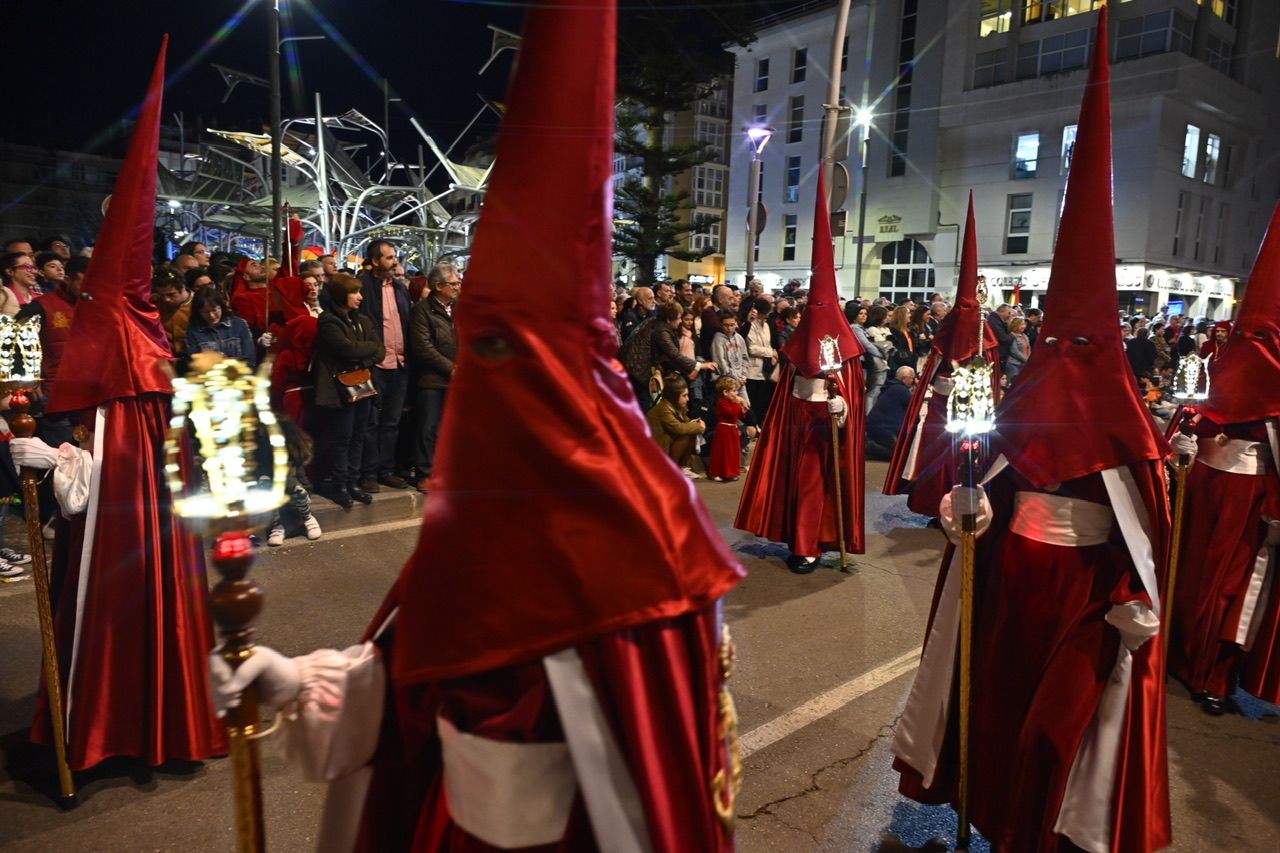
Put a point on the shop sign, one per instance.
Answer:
(889, 223)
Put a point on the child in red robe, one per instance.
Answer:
(725, 464)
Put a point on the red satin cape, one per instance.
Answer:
(658, 685)
(1042, 655)
(789, 495)
(141, 686)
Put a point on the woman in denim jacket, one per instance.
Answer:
(214, 328)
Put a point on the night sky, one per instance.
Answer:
(73, 69)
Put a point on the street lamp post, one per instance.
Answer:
(277, 167)
(832, 106)
(862, 118)
(759, 136)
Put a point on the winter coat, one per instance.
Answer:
(343, 342)
(668, 423)
(433, 344)
(665, 348)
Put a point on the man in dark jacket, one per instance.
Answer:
(1000, 325)
(386, 303)
(884, 422)
(1141, 353)
(433, 346)
(630, 320)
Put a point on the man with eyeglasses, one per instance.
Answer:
(198, 251)
(386, 302)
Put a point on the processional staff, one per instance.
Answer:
(970, 417)
(20, 362)
(229, 409)
(830, 363)
(1190, 386)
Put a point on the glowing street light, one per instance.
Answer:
(863, 117)
(758, 135)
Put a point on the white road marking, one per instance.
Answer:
(826, 703)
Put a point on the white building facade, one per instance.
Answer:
(983, 96)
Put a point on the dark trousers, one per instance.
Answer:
(384, 425)
(429, 405)
(341, 441)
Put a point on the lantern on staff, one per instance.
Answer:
(1191, 382)
(971, 405)
(227, 406)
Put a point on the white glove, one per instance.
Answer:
(1136, 623)
(266, 340)
(32, 453)
(278, 679)
(836, 406)
(1184, 445)
(962, 500)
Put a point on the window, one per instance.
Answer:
(789, 222)
(711, 133)
(706, 234)
(1224, 213)
(799, 59)
(708, 187)
(901, 121)
(1159, 32)
(1068, 147)
(795, 119)
(1224, 9)
(1212, 148)
(1052, 10)
(1018, 236)
(994, 17)
(1025, 154)
(762, 75)
(792, 193)
(1190, 150)
(760, 113)
(1217, 53)
(1184, 202)
(844, 54)
(988, 67)
(1201, 214)
(1056, 53)
(906, 271)
(760, 194)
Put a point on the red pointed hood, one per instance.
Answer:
(822, 317)
(1075, 409)
(120, 344)
(1244, 380)
(957, 339)
(560, 520)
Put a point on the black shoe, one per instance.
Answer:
(392, 481)
(359, 494)
(1214, 706)
(802, 565)
(338, 496)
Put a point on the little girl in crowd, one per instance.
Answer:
(725, 464)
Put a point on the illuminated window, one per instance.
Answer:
(762, 75)
(1224, 9)
(789, 222)
(988, 68)
(799, 61)
(1052, 10)
(1068, 147)
(706, 236)
(1025, 154)
(1018, 236)
(1190, 150)
(792, 192)
(795, 119)
(994, 17)
(1212, 149)
(711, 133)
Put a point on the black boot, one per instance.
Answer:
(359, 494)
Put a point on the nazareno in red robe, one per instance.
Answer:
(1042, 657)
(1225, 613)
(131, 620)
(789, 495)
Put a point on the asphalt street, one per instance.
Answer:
(824, 665)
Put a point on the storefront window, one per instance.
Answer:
(906, 271)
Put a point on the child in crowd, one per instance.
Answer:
(725, 464)
(299, 446)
